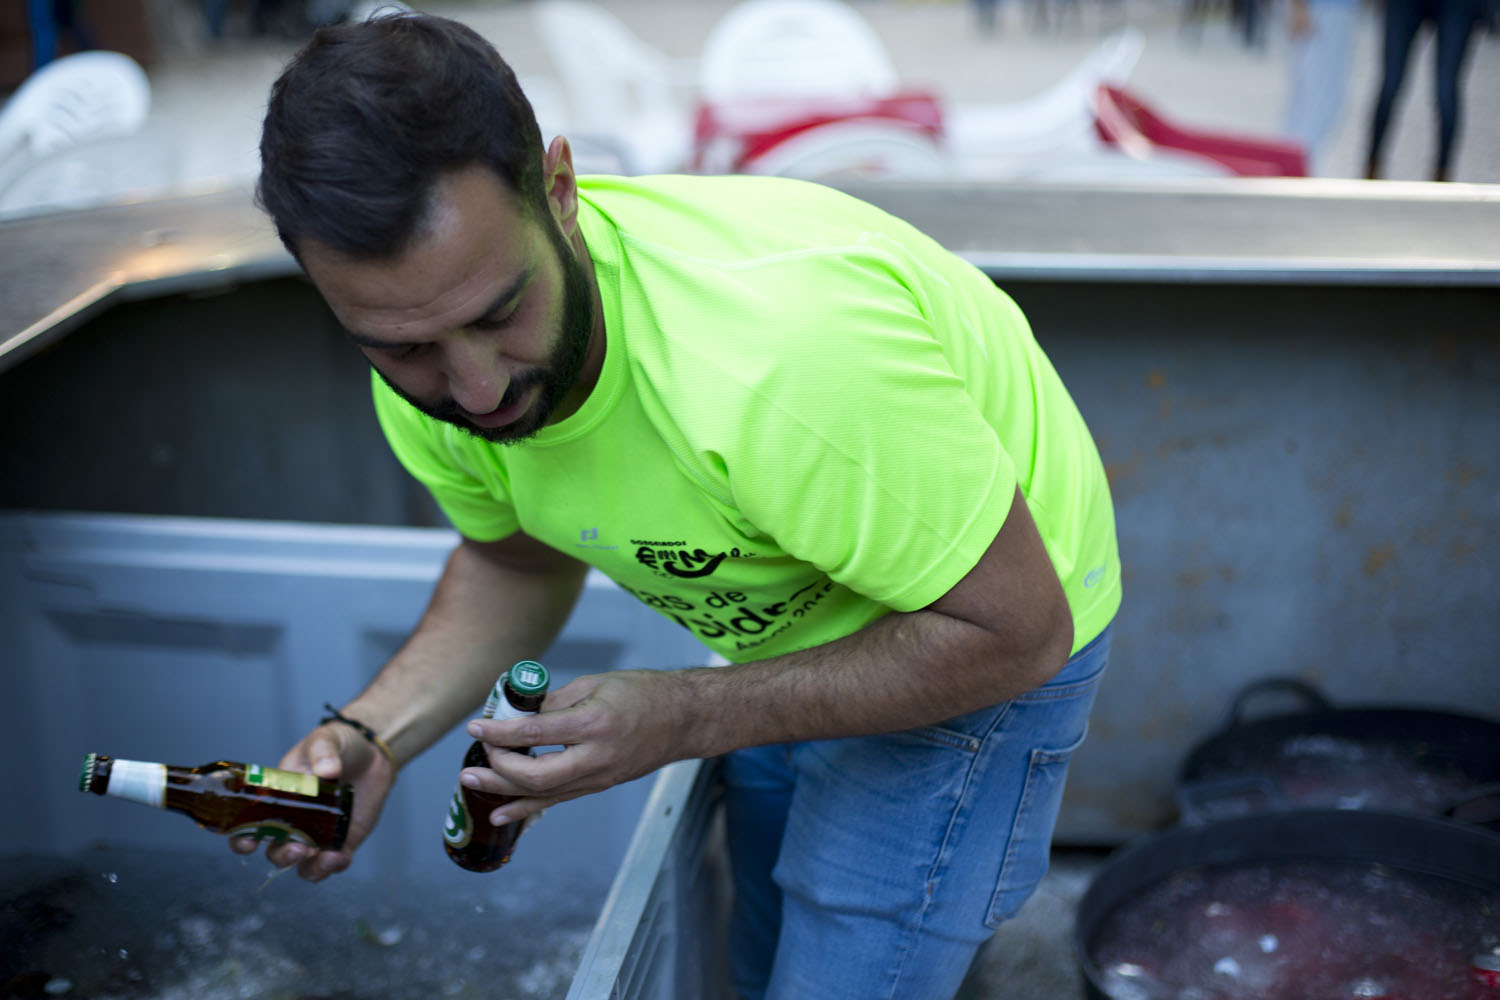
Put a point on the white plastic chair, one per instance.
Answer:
(120, 168)
(68, 135)
(90, 95)
(794, 48)
(622, 93)
(1109, 165)
(363, 10)
(591, 154)
(1009, 140)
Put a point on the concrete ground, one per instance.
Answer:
(1032, 956)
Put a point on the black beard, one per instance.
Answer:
(557, 377)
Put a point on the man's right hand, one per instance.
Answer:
(332, 751)
(439, 674)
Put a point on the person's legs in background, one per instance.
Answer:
(985, 15)
(68, 17)
(1250, 17)
(1320, 75)
(1455, 28)
(1402, 19)
(43, 32)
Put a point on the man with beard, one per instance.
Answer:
(782, 418)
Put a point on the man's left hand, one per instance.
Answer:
(613, 728)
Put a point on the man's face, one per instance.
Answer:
(486, 322)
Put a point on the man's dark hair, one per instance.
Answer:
(368, 116)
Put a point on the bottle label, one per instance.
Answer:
(138, 781)
(458, 828)
(505, 710)
(272, 829)
(282, 781)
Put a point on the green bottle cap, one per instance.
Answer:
(528, 677)
(86, 776)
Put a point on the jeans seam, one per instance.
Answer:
(939, 864)
(955, 740)
(1039, 758)
(946, 738)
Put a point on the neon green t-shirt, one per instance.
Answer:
(809, 414)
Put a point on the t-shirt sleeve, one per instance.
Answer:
(470, 490)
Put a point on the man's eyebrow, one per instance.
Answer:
(506, 295)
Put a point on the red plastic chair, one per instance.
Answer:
(1124, 120)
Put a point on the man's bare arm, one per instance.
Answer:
(1002, 630)
(495, 603)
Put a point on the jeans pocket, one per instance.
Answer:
(1031, 834)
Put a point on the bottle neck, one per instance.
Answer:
(139, 781)
(506, 710)
(505, 702)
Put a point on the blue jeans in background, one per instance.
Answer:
(1454, 21)
(873, 868)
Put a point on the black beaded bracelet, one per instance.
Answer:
(360, 728)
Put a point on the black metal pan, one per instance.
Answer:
(1319, 755)
(1462, 854)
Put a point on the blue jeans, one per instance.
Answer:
(873, 868)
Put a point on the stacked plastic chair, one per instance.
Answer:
(55, 133)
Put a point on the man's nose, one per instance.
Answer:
(476, 379)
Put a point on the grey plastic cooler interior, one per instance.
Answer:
(191, 639)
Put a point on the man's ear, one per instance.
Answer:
(561, 185)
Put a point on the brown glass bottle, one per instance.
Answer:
(228, 797)
(468, 836)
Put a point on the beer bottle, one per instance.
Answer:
(228, 797)
(468, 836)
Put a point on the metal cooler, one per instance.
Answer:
(1295, 387)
